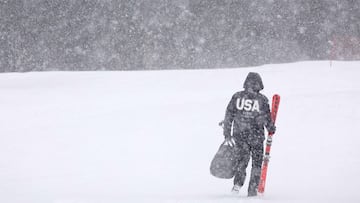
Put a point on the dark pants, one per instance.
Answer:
(244, 151)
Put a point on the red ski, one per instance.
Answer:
(274, 110)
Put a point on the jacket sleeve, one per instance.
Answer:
(229, 116)
(264, 119)
(269, 124)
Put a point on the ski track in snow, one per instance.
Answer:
(149, 136)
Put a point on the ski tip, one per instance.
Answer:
(276, 98)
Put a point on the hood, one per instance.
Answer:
(253, 81)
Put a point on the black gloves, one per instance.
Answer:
(271, 129)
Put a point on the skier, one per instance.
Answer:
(246, 116)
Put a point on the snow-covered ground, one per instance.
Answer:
(90, 137)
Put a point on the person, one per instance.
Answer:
(247, 114)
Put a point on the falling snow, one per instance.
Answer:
(39, 35)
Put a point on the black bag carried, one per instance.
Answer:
(223, 165)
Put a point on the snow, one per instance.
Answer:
(149, 136)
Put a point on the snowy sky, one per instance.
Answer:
(163, 34)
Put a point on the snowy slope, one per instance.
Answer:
(90, 137)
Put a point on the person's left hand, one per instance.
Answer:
(271, 129)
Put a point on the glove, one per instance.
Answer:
(271, 129)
